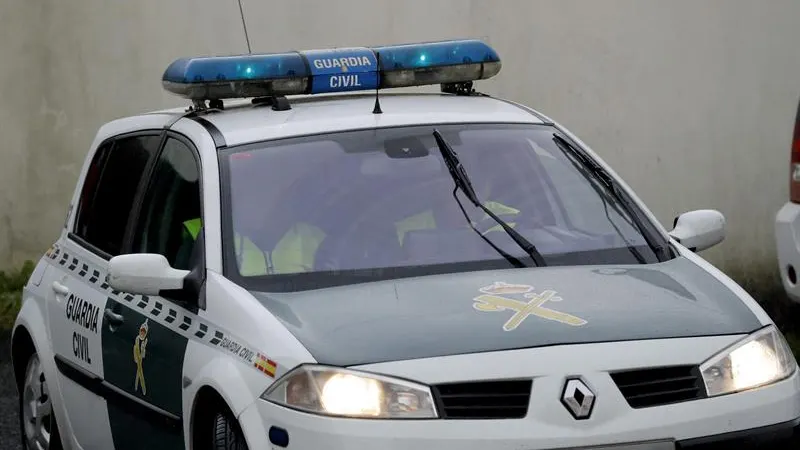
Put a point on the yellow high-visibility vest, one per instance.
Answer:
(297, 249)
(426, 220)
(294, 252)
(253, 261)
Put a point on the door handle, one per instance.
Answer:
(114, 318)
(60, 289)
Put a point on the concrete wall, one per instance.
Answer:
(691, 101)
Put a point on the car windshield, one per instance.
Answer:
(367, 205)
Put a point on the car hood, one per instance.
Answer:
(509, 309)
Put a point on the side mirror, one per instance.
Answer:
(144, 273)
(699, 230)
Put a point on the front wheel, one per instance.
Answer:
(38, 427)
(227, 433)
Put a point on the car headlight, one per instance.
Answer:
(347, 393)
(762, 358)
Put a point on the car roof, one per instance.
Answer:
(242, 123)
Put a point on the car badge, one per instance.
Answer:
(498, 297)
(578, 398)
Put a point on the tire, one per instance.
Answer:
(227, 433)
(37, 423)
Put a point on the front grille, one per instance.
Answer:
(644, 388)
(505, 399)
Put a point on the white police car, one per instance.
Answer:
(366, 270)
(787, 222)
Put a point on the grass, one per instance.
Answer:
(11, 284)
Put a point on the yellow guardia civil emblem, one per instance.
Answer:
(139, 352)
(499, 297)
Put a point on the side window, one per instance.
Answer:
(108, 193)
(170, 217)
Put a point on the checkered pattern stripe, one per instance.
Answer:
(188, 325)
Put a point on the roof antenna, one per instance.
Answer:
(377, 109)
(244, 25)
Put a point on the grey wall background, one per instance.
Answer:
(692, 101)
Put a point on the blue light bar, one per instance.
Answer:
(437, 63)
(331, 70)
(237, 76)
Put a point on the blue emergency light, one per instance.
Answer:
(331, 70)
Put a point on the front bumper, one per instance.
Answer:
(740, 421)
(787, 239)
(781, 436)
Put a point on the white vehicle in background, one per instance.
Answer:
(787, 223)
(363, 270)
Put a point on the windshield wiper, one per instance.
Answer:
(463, 182)
(605, 197)
(612, 186)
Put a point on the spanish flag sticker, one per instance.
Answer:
(266, 365)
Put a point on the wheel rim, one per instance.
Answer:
(37, 409)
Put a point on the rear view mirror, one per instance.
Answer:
(699, 230)
(144, 273)
(414, 164)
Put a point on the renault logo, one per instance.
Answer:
(578, 398)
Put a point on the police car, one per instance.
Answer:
(787, 222)
(304, 260)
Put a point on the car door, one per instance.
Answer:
(78, 291)
(143, 355)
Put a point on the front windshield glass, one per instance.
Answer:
(358, 206)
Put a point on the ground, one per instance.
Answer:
(9, 423)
